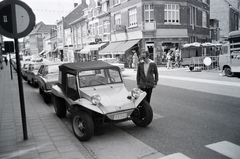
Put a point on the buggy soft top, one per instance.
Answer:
(74, 68)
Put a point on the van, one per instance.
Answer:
(229, 59)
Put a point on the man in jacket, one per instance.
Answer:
(147, 75)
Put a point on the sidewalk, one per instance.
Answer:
(48, 137)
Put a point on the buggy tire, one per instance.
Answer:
(46, 98)
(228, 72)
(59, 106)
(40, 91)
(145, 114)
(82, 125)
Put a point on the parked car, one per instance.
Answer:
(47, 77)
(32, 73)
(113, 61)
(95, 94)
(14, 63)
(24, 69)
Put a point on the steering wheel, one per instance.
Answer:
(112, 79)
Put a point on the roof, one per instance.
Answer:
(234, 34)
(74, 68)
(42, 28)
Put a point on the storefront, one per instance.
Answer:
(122, 50)
(89, 52)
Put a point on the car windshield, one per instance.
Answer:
(36, 66)
(109, 60)
(53, 69)
(25, 66)
(99, 77)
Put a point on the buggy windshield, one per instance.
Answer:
(99, 77)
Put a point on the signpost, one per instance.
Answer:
(16, 21)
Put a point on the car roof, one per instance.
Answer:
(53, 63)
(74, 68)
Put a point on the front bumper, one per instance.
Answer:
(121, 115)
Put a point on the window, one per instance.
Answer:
(117, 19)
(116, 2)
(132, 14)
(204, 1)
(193, 15)
(106, 27)
(104, 7)
(204, 19)
(171, 13)
(96, 29)
(148, 13)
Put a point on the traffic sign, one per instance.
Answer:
(16, 19)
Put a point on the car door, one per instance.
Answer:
(40, 75)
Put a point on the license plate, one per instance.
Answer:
(120, 116)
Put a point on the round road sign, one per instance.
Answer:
(207, 61)
(16, 19)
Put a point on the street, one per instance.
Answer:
(193, 118)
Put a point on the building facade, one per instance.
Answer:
(227, 12)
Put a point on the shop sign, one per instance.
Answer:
(120, 28)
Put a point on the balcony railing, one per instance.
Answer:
(149, 26)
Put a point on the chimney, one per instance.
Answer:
(75, 5)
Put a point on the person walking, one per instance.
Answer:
(1, 62)
(147, 75)
(177, 59)
(135, 61)
(169, 59)
(6, 61)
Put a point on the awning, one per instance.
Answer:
(41, 52)
(110, 48)
(97, 46)
(47, 52)
(88, 48)
(121, 49)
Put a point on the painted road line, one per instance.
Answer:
(175, 156)
(236, 84)
(226, 148)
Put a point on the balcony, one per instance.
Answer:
(149, 26)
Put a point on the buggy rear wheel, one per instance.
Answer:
(82, 125)
(145, 114)
(46, 98)
(59, 106)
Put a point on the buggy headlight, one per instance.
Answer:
(95, 99)
(136, 93)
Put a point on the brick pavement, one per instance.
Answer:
(48, 137)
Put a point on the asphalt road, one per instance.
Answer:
(192, 113)
(189, 121)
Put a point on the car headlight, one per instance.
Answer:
(136, 92)
(95, 99)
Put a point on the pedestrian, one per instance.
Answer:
(169, 59)
(1, 63)
(6, 61)
(147, 75)
(177, 59)
(135, 61)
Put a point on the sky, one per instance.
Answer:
(49, 11)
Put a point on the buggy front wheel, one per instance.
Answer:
(144, 114)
